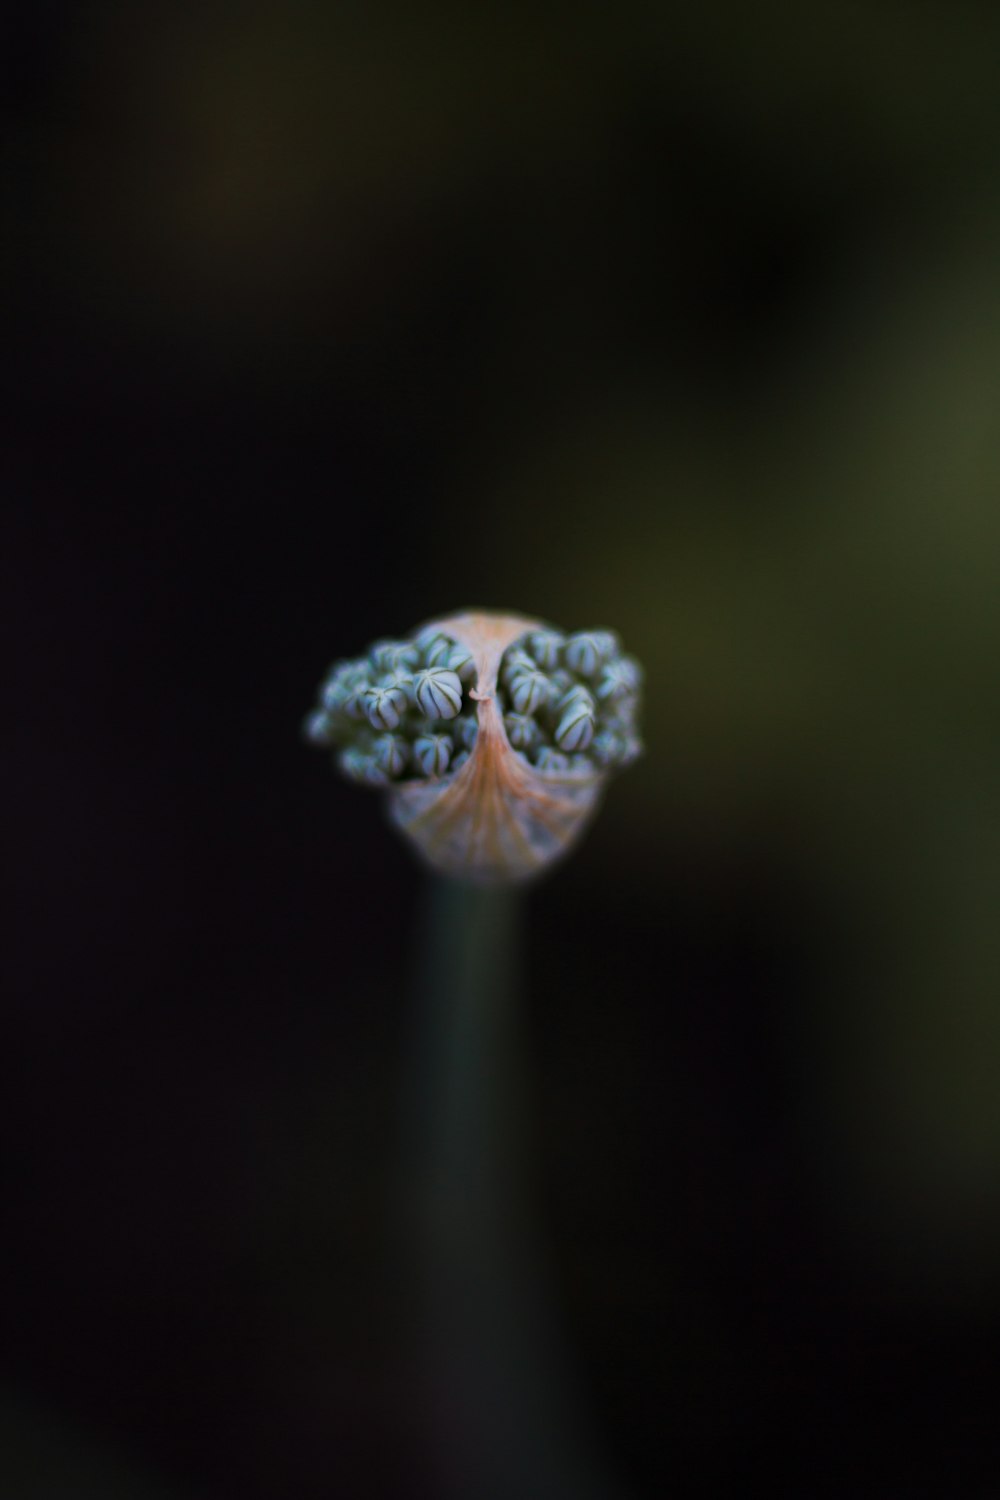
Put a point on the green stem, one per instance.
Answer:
(502, 1412)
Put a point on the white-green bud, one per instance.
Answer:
(354, 702)
(391, 753)
(462, 663)
(333, 696)
(438, 693)
(394, 656)
(426, 639)
(432, 754)
(545, 646)
(516, 660)
(575, 729)
(632, 750)
(608, 643)
(577, 694)
(618, 679)
(528, 691)
(607, 748)
(359, 765)
(459, 761)
(622, 714)
(548, 759)
(398, 679)
(439, 651)
(318, 729)
(522, 731)
(384, 706)
(465, 730)
(583, 653)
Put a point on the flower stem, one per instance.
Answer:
(502, 1413)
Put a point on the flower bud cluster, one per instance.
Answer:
(569, 705)
(400, 712)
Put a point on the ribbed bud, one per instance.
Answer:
(617, 681)
(516, 661)
(581, 765)
(463, 664)
(522, 731)
(608, 643)
(528, 691)
(354, 704)
(391, 754)
(622, 714)
(384, 706)
(545, 646)
(438, 693)
(432, 754)
(333, 695)
(632, 750)
(575, 729)
(359, 765)
(394, 656)
(578, 693)
(459, 761)
(548, 759)
(401, 680)
(438, 652)
(318, 729)
(426, 640)
(607, 748)
(465, 729)
(583, 653)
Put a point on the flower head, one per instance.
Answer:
(492, 734)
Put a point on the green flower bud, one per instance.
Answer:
(522, 731)
(575, 729)
(622, 715)
(439, 651)
(432, 754)
(528, 691)
(462, 663)
(465, 730)
(633, 749)
(426, 639)
(607, 748)
(608, 643)
(394, 656)
(548, 759)
(516, 660)
(359, 765)
(437, 692)
(577, 694)
(318, 729)
(545, 646)
(391, 754)
(618, 680)
(353, 704)
(384, 706)
(584, 653)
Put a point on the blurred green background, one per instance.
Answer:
(324, 319)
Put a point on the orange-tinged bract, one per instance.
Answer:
(493, 811)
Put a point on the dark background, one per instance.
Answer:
(325, 319)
